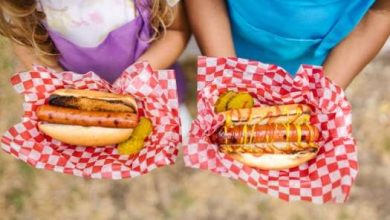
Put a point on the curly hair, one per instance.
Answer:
(21, 22)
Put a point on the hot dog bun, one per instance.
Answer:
(88, 118)
(268, 148)
(294, 113)
(274, 161)
(85, 135)
(271, 156)
(90, 100)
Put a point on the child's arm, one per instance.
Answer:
(210, 23)
(164, 52)
(27, 58)
(348, 58)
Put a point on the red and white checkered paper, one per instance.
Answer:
(156, 97)
(326, 178)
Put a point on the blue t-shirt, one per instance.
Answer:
(292, 32)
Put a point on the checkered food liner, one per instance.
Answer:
(155, 92)
(328, 177)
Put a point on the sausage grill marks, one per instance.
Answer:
(243, 134)
(61, 115)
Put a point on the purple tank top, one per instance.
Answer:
(120, 49)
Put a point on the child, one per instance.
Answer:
(104, 36)
(342, 35)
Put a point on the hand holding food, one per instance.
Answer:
(270, 137)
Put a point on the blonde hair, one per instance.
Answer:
(161, 17)
(20, 21)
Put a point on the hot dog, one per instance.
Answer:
(268, 137)
(87, 117)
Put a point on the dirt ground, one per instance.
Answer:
(177, 192)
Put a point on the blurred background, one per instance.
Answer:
(177, 192)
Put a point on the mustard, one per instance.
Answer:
(287, 127)
(252, 133)
(299, 111)
(253, 129)
(228, 123)
(276, 129)
(285, 111)
(244, 134)
(311, 133)
(298, 114)
(299, 133)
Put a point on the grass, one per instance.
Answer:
(26, 171)
(343, 215)
(16, 199)
(387, 144)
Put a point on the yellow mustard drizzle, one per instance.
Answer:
(287, 127)
(298, 113)
(253, 130)
(272, 136)
(252, 133)
(244, 134)
(299, 133)
(285, 111)
(250, 118)
(228, 123)
(311, 134)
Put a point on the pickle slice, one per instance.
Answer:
(241, 100)
(143, 129)
(137, 139)
(221, 104)
(131, 146)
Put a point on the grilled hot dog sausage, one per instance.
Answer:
(60, 115)
(240, 134)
